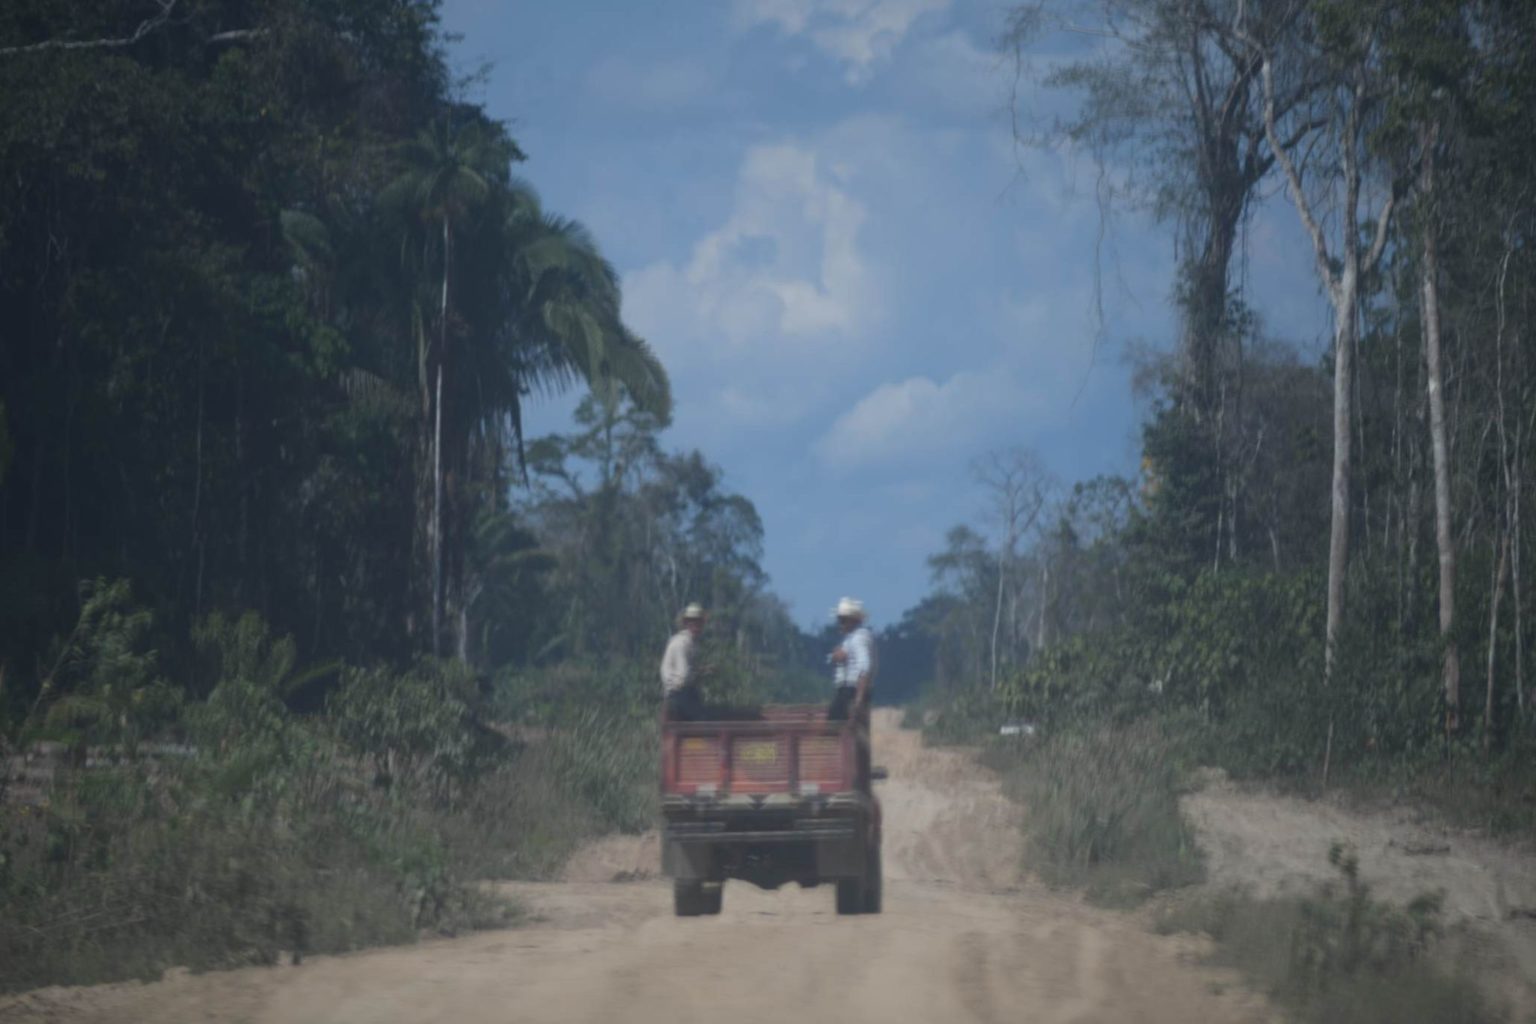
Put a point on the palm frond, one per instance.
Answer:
(371, 392)
(308, 237)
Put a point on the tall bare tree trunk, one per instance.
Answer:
(437, 514)
(1343, 284)
(1338, 531)
(1499, 576)
(997, 615)
(1515, 589)
(1045, 601)
(437, 450)
(1444, 538)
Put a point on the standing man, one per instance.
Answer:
(853, 663)
(679, 686)
(853, 674)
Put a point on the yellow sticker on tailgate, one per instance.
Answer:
(760, 752)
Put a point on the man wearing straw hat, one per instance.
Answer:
(679, 685)
(853, 662)
(853, 674)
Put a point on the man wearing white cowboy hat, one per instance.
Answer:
(853, 663)
(679, 687)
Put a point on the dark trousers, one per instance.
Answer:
(842, 701)
(838, 711)
(685, 704)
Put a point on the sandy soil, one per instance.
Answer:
(1275, 845)
(963, 938)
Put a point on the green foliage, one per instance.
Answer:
(271, 832)
(103, 686)
(963, 717)
(417, 728)
(635, 534)
(239, 271)
(1336, 953)
(610, 764)
(1103, 809)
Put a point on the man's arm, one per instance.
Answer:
(861, 664)
(674, 665)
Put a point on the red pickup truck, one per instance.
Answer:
(772, 800)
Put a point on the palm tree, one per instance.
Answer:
(531, 307)
(545, 315)
(449, 170)
(564, 317)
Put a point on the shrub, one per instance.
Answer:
(1336, 954)
(272, 831)
(1102, 810)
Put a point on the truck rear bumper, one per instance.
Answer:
(807, 852)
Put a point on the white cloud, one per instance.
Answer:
(785, 269)
(858, 33)
(918, 418)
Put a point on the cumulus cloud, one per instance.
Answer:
(917, 418)
(785, 268)
(858, 33)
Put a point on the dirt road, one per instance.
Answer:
(963, 938)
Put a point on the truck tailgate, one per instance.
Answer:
(785, 756)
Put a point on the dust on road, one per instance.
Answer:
(964, 937)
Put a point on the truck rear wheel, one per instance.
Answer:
(873, 885)
(695, 899)
(850, 896)
(687, 898)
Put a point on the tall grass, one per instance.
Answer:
(1102, 810)
(1336, 954)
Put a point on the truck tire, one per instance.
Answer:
(873, 885)
(712, 897)
(689, 899)
(850, 896)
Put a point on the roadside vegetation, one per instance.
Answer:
(1319, 578)
(1103, 816)
(1319, 572)
(230, 829)
(302, 640)
(1103, 810)
(1339, 954)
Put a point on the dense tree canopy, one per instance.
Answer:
(273, 306)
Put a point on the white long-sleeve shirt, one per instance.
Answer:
(677, 661)
(859, 646)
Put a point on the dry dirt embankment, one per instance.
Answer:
(1274, 845)
(964, 938)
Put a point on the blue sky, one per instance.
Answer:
(856, 280)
